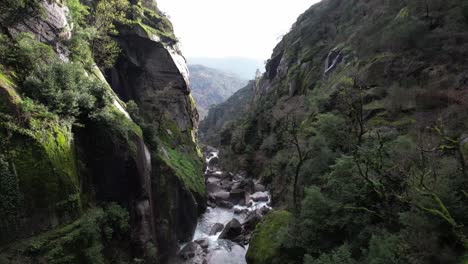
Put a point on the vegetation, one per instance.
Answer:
(82, 241)
(384, 178)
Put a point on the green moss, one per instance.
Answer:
(187, 167)
(42, 152)
(382, 120)
(266, 240)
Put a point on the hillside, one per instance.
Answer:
(359, 127)
(211, 87)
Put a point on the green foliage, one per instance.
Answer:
(30, 53)
(268, 238)
(65, 89)
(82, 241)
(12, 11)
(78, 11)
(383, 249)
(10, 198)
(342, 255)
(105, 16)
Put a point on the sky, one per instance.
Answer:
(232, 28)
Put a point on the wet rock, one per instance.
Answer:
(191, 250)
(241, 211)
(204, 243)
(259, 197)
(251, 221)
(211, 204)
(222, 195)
(212, 180)
(235, 254)
(213, 161)
(237, 196)
(218, 227)
(264, 210)
(225, 204)
(259, 187)
(212, 187)
(226, 184)
(232, 230)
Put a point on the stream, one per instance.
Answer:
(218, 237)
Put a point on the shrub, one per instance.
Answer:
(342, 255)
(13, 10)
(30, 53)
(65, 89)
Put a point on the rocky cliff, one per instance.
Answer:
(354, 113)
(95, 168)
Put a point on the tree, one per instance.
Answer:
(107, 13)
(290, 129)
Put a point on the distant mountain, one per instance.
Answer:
(244, 67)
(211, 86)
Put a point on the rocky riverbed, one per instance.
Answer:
(236, 204)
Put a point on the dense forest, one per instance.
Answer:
(359, 127)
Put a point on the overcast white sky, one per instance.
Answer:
(232, 28)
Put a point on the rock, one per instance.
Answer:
(232, 230)
(211, 204)
(237, 196)
(221, 195)
(259, 197)
(225, 204)
(190, 250)
(218, 227)
(264, 210)
(251, 221)
(212, 180)
(241, 211)
(51, 28)
(204, 243)
(226, 184)
(212, 187)
(213, 161)
(259, 187)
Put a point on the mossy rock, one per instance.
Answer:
(188, 167)
(46, 167)
(265, 245)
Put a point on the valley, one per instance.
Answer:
(351, 147)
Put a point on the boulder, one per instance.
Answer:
(240, 211)
(204, 243)
(237, 196)
(264, 210)
(212, 187)
(213, 161)
(218, 227)
(232, 230)
(190, 250)
(251, 221)
(221, 195)
(225, 204)
(259, 197)
(259, 187)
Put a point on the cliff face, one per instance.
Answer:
(75, 155)
(349, 77)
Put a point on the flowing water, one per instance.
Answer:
(220, 250)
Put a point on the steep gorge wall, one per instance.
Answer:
(63, 171)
